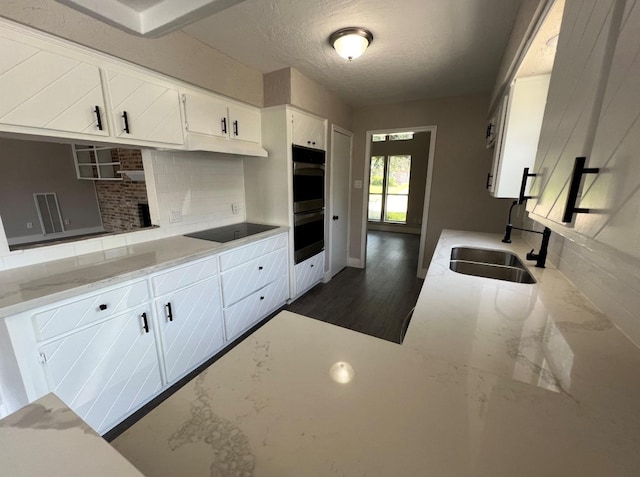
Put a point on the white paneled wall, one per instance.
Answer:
(200, 185)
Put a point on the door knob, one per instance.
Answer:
(335, 217)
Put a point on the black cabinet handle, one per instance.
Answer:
(103, 307)
(260, 268)
(262, 298)
(125, 119)
(314, 143)
(169, 311)
(335, 217)
(145, 323)
(523, 185)
(235, 128)
(98, 118)
(578, 171)
(312, 265)
(489, 177)
(309, 142)
(224, 125)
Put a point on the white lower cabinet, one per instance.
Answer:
(309, 273)
(190, 325)
(243, 315)
(108, 352)
(106, 371)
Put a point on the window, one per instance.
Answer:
(96, 163)
(401, 136)
(389, 189)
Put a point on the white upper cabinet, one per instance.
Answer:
(47, 93)
(309, 131)
(518, 134)
(144, 109)
(205, 115)
(245, 124)
(592, 112)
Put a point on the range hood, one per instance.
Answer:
(205, 142)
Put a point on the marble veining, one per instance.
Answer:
(493, 379)
(25, 288)
(230, 449)
(37, 416)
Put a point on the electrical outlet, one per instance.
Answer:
(234, 208)
(175, 215)
(357, 184)
(29, 225)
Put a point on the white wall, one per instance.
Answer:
(201, 185)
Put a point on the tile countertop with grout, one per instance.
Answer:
(493, 378)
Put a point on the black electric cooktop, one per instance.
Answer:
(231, 232)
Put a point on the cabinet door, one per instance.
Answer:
(106, 371)
(309, 273)
(574, 101)
(614, 193)
(48, 91)
(308, 131)
(144, 110)
(190, 322)
(244, 124)
(206, 115)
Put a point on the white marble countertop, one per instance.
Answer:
(493, 379)
(25, 288)
(46, 438)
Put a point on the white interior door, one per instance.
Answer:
(340, 180)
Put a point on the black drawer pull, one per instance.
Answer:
(103, 307)
(235, 128)
(125, 119)
(260, 268)
(98, 118)
(169, 311)
(262, 298)
(224, 125)
(489, 177)
(578, 171)
(523, 185)
(312, 265)
(145, 323)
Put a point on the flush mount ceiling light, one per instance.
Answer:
(351, 42)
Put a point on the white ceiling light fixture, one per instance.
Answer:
(350, 43)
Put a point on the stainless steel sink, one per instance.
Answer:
(496, 264)
(492, 257)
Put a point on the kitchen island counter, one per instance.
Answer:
(493, 379)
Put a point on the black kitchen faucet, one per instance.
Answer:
(539, 257)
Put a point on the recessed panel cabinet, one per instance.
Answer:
(47, 91)
(592, 112)
(308, 130)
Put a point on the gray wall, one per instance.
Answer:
(418, 149)
(29, 167)
(176, 54)
(459, 199)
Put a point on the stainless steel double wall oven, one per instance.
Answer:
(308, 202)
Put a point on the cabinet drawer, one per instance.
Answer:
(183, 276)
(246, 279)
(309, 273)
(237, 257)
(88, 309)
(244, 314)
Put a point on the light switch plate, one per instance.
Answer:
(357, 184)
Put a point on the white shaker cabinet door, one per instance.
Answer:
(106, 371)
(190, 323)
(50, 92)
(244, 124)
(144, 110)
(573, 102)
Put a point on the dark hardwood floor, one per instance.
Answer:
(375, 300)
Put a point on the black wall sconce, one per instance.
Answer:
(578, 171)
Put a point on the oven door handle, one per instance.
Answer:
(302, 219)
(306, 169)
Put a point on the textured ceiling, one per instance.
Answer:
(421, 48)
(540, 55)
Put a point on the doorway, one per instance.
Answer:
(398, 172)
(341, 147)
